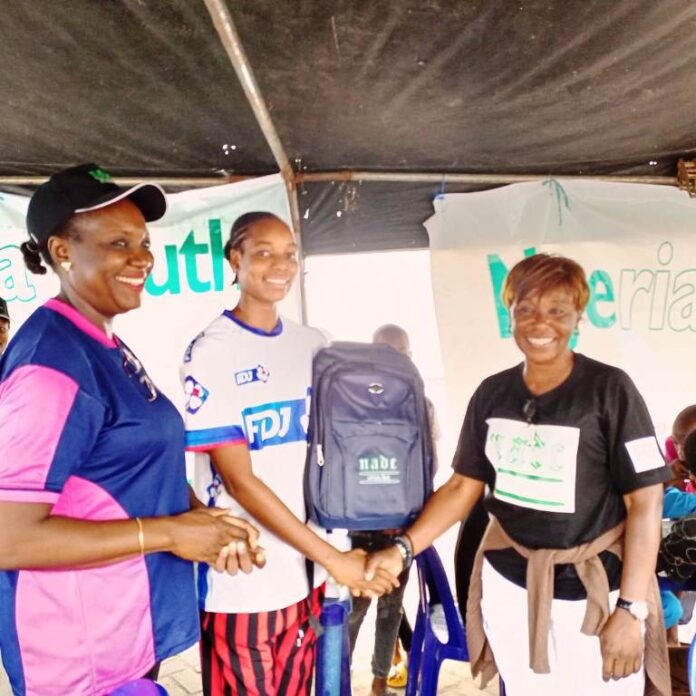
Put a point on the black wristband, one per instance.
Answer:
(403, 543)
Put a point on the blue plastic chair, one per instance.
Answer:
(140, 687)
(427, 650)
(675, 586)
(333, 649)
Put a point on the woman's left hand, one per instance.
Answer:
(242, 555)
(621, 643)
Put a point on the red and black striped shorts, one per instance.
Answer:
(264, 654)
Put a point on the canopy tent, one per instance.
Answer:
(532, 87)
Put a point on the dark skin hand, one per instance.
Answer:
(348, 568)
(621, 639)
(31, 538)
(236, 555)
(450, 503)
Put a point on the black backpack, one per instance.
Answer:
(370, 461)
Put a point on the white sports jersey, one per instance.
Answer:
(245, 385)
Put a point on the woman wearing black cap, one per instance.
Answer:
(96, 535)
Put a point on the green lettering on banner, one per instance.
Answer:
(172, 284)
(218, 253)
(498, 272)
(190, 249)
(14, 279)
(601, 290)
(682, 310)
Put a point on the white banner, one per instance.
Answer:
(191, 282)
(637, 244)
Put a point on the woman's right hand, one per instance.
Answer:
(348, 568)
(213, 536)
(389, 560)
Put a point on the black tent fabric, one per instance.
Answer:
(144, 87)
(344, 217)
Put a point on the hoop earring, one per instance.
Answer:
(66, 266)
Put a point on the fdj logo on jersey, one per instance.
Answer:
(255, 374)
(275, 423)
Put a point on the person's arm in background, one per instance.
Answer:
(233, 464)
(676, 503)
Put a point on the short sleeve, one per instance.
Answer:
(635, 457)
(212, 415)
(470, 457)
(48, 427)
(324, 339)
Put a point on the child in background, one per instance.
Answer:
(684, 423)
(677, 554)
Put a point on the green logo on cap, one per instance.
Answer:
(100, 175)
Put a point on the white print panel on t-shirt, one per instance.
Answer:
(535, 464)
(645, 454)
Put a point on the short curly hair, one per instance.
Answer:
(684, 424)
(540, 273)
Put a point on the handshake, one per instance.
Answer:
(242, 553)
(366, 575)
(369, 575)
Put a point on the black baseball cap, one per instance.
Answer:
(4, 314)
(83, 188)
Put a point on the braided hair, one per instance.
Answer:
(241, 228)
(34, 253)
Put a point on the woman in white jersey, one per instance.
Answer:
(247, 379)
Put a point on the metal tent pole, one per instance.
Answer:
(361, 175)
(178, 181)
(462, 178)
(224, 24)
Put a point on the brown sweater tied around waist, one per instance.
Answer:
(540, 584)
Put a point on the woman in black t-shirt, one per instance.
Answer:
(567, 450)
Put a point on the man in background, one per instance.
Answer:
(391, 623)
(4, 325)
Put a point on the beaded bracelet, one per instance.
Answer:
(403, 543)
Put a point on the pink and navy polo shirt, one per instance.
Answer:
(81, 431)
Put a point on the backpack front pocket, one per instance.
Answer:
(377, 463)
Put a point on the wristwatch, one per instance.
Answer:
(638, 610)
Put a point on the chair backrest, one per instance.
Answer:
(140, 687)
(435, 589)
